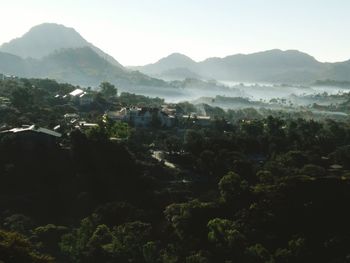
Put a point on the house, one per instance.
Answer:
(33, 129)
(169, 109)
(86, 125)
(197, 119)
(71, 118)
(81, 96)
(31, 136)
(4, 102)
(143, 117)
(77, 93)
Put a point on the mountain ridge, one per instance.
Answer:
(47, 45)
(274, 65)
(57, 36)
(55, 51)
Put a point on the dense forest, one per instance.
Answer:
(252, 186)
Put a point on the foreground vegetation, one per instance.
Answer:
(254, 186)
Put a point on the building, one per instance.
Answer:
(71, 118)
(197, 119)
(81, 96)
(30, 136)
(33, 129)
(83, 125)
(143, 117)
(77, 93)
(4, 102)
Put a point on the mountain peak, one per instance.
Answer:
(43, 39)
(50, 26)
(177, 59)
(178, 55)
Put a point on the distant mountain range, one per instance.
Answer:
(275, 65)
(58, 52)
(44, 39)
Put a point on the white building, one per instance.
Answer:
(143, 117)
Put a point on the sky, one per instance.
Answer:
(138, 32)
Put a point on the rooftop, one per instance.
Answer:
(34, 129)
(77, 92)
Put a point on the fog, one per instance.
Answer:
(255, 94)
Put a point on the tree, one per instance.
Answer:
(313, 170)
(199, 257)
(258, 253)
(231, 187)
(227, 238)
(108, 90)
(190, 219)
(225, 234)
(150, 252)
(74, 244)
(15, 248)
(22, 98)
(120, 130)
(129, 241)
(194, 141)
(48, 237)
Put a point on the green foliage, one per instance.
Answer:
(265, 176)
(189, 218)
(225, 235)
(129, 99)
(295, 252)
(98, 133)
(232, 187)
(185, 108)
(17, 249)
(22, 98)
(48, 237)
(313, 170)
(74, 244)
(120, 130)
(150, 252)
(129, 241)
(194, 141)
(257, 253)
(94, 242)
(199, 257)
(18, 223)
(108, 90)
(248, 188)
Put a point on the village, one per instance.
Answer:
(78, 153)
(136, 116)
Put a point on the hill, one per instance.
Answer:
(61, 53)
(43, 39)
(290, 66)
(79, 66)
(169, 63)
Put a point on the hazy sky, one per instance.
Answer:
(137, 32)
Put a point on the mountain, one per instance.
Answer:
(178, 74)
(46, 38)
(271, 66)
(80, 66)
(85, 67)
(13, 65)
(290, 66)
(58, 52)
(171, 62)
(339, 71)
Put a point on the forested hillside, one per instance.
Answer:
(247, 187)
